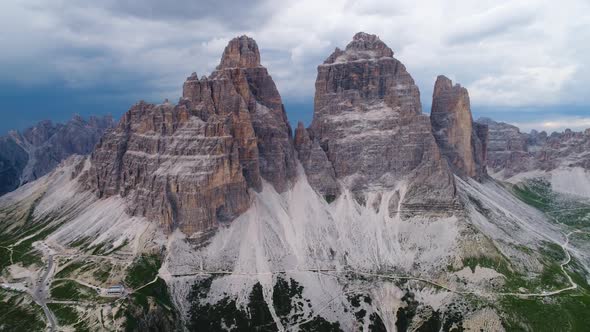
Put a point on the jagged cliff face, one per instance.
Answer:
(462, 142)
(368, 130)
(190, 165)
(241, 65)
(507, 148)
(512, 152)
(28, 155)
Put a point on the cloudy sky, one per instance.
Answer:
(524, 62)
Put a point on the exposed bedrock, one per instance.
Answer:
(191, 165)
(368, 131)
(461, 141)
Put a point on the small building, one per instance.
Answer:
(116, 290)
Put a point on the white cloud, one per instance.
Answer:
(527, 86)
(575, 123)
(508, 53)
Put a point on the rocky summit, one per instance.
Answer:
(368, 131)
(462, 142)
(190, 165)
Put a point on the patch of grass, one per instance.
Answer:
(561, 208)
(72, 291)
(320, 324)
(283, 293)
(103, 272)
(214, 317)
(98, 249)
(500, 264)
(65, 314)
(143, 270)
(70, 269)
(536, 193)
(24, 251)
(566, 312)
(117, 248)
(330, 198)
(82, 243)
(15, 315)
(151, 307)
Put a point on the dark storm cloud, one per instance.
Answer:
(509, 54)
(491, 23)
(234, 14)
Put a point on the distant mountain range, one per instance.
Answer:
(27, 155)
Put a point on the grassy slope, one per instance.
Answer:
(569, 311)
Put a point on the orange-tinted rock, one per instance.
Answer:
(461, 142)
(190, 165)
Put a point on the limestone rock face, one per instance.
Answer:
(369, 125)
(320, 172)
(507, 148)
(29, 154)
(277, 160)
(190, 165)
(241, 52)
(462, 142)
(511, 152)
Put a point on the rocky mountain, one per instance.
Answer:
(368, 131)
(190, 165)
(462, 142)
(28, 155)
(514, 155)
(208, 215)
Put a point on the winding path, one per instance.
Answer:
(39, 293)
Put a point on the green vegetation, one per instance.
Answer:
(82, 243)
(561, 208)
(70, 269)
(330, 198)
(67, 315)
(27, 230)
(143, 270)
(17, 315)
(103, 272)
(376, 324)
(214, 317)
(287, 300)
(567, 312)
(72, 291)
(150, 307)
(117, 248)
(283, 293)
(499, 263)
(320, 324)
(406, 314)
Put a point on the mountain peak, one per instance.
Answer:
(364, 46)
(461, 141)
(368, 42)
(240, 52)
(444, 83)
